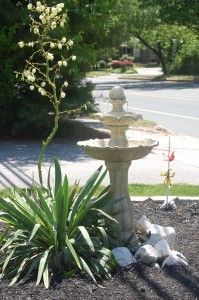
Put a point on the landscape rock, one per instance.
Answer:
(147, 254)
(143, 225)
(123, 256)
(162, 248)
(156, 232)
(160, 232)
(175, 259)
(170, 204)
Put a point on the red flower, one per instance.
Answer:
(171, 156)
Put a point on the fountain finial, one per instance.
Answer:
(117, 93)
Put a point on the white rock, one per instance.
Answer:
(143, 224)
(176, 253)
(162, 248)
(160, 232)
(147, 254)
(169, 204)
(123, 256)
(157, 232)
(175, 259)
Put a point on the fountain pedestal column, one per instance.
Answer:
(123, 209)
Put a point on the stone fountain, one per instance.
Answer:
(118, 152)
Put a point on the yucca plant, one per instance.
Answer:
(57, 230)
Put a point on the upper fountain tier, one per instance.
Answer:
(118, 120)
(118, 148)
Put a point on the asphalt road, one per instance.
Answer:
(174, 105)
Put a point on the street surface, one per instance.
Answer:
(174, 105)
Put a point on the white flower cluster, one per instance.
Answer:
(61, 43)
(47, 19)
(29, 75)
(40, 89)
(50, 16)
(22, 44)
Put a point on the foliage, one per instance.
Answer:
(57, 230)
(102, 64)
(180, 12)
(127, 57)
(187, 60)
(88, 22)
(10, 58)
(147, 24)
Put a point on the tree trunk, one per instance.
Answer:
(162, 59)
(158, 51)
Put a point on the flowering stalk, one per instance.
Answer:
(44, 67)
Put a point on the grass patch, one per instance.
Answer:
(100, 72)
(108, 71)
(176, 78)
(159, 190)
(148, 190)
(144, 123)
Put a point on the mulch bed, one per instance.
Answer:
(140, 282)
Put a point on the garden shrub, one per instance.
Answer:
(186, 64)
(101, 64)
(17, 104)
(186, 61)
(35, 119)
(127, 57)
(121, 64)
(57, 230)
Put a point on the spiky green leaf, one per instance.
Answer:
(42, 264)
(86, 237)
(46, 277)
(34, 231)
(58, 175)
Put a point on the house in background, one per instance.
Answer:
(140, 55)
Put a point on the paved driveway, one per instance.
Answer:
(18, 161)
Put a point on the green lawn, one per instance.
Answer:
(159, 190)
(97, 73)
(150, 190)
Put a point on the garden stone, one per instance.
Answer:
(175, 259)
(123, 256)
(169, 205)
(147, 254)
(160, 232)
(143, 225)
(162, 248)
(156, 232)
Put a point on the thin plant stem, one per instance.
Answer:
(168, 167)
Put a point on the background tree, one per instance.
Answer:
(166, 39)
(181, 12)
(89, 26)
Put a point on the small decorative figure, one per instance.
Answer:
(168, 175)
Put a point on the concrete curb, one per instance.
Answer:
(162, 198)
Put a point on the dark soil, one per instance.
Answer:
(140, 282)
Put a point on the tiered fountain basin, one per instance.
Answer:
(99, 149)
(118, 152)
